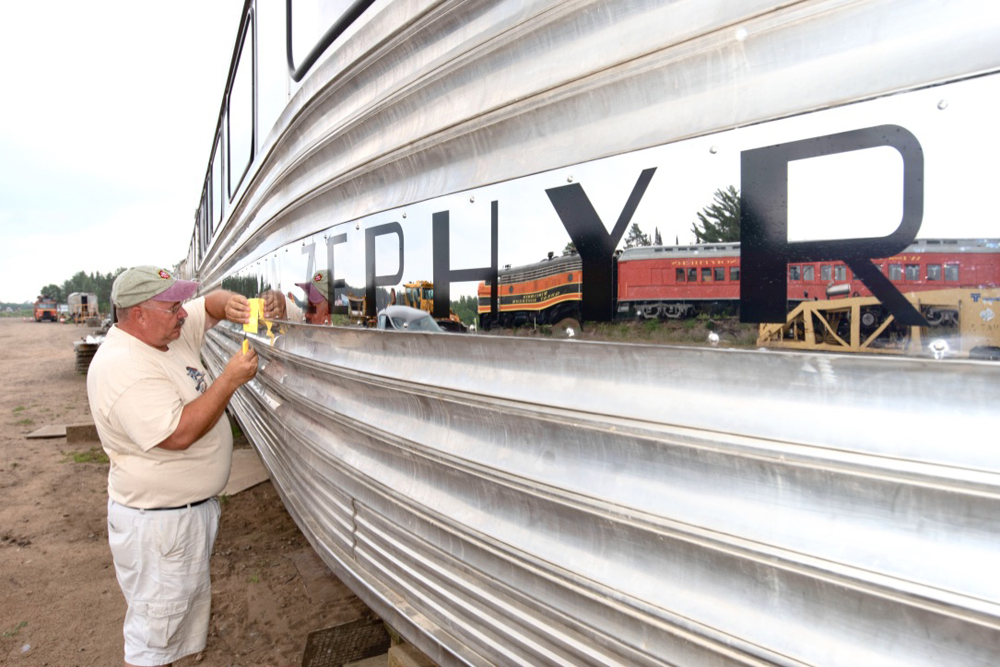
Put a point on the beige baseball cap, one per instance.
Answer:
(142, 283)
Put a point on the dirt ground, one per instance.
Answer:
(59, 602)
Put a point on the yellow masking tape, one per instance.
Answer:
(268, 324)
(256, 312)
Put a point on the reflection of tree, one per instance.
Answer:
(53, 291)
(636, 238)
(719, 221)
(248, 286)
(467, 308)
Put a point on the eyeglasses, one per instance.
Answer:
(172, 310)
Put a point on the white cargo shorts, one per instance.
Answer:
(161, 561)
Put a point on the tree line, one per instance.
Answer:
(719, 222)
(93, 283)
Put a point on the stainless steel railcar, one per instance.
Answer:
(509, 501)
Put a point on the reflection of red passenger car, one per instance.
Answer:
(675, 281)
(680, 281)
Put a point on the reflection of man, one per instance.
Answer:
(160, 419)
(314, 308)
(318, 298)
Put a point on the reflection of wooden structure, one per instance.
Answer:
(960, 319)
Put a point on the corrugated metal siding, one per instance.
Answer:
(563, 502)
(511, 501)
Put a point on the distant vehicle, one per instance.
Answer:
(404, 318)
(46, 308)
(420, 295)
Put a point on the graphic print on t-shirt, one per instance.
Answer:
(199, 378)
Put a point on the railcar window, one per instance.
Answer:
(720, 274)
(951, 272)
(272, 65)
(706, 275)
(895, 272)
(825, 272)
(307, 26)
(216, 196)
(310, 20)
(933, 272)
(679, 275)
(913, 272)
(840, 272)
(808, 272)
(793, 273)
(240, 116)
(206, 218)
(206, 222)
(734, 274)
(692, 275)
(202, 226)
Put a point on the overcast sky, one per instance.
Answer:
(105, 129)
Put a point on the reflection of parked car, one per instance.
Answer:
(404, 318)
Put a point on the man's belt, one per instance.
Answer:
(181, 507)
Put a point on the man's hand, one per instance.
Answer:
(274, 305)
(241, 368)
(238, 309)
(201, 414)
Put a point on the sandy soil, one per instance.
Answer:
(59, 602)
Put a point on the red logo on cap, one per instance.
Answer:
(318, 277)
(164, 274)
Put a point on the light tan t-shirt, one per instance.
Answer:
(137, 394)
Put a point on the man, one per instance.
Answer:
(314, 308)
(160, 419)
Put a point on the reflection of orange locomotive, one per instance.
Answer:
(681, 281)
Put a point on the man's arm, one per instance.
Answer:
(200, 415)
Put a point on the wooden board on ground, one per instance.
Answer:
(53, 431)
(247, 472)
(321, 585)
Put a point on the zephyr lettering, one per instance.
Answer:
(765, 248)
